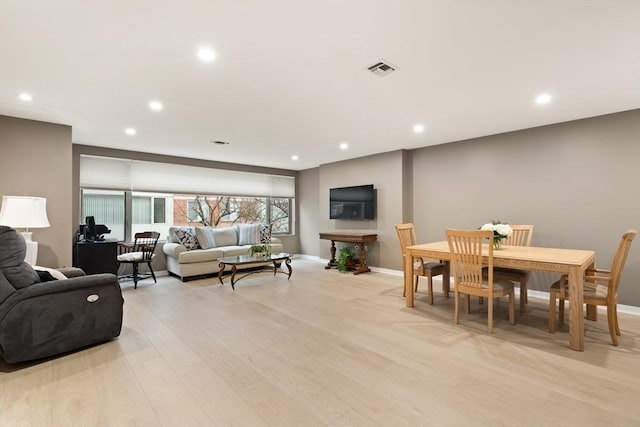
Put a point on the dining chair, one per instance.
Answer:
(521, 236)
(407, 235)
(466, 247)
(142, 252)
(600, 288)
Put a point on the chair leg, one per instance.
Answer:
(417, 278)
(480, 300)
(135, 275)
(152, 273)
(561, 310)
(430, 290)
(490, 315)
(615, 312)
(467, 304)
(552, 312)
(512, 308)
(611, 318)
(456, 316)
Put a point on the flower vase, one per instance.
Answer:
(497, 243)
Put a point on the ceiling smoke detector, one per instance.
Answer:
(381, 68)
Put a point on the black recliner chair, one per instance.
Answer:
(46, 318)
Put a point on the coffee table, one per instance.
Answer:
(235, 261)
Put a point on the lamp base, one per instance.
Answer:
(32, 248)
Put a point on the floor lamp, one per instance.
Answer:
(25, 212)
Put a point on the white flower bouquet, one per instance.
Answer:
(500, 231)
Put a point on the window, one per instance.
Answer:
(197, 210)
(176, 194)
(107, 208)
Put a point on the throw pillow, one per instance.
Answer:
(56, 275)
(45, 276)
(265, 233)
(187, 237)
(248, 234)
(225, 236)
(205, 237)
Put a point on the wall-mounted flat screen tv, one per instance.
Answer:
(357, 202)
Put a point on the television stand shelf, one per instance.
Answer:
(349, 237)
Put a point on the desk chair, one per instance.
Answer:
(142, 252)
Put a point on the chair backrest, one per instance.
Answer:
(406, 234)
(619, 259)
(146, 243)
(521, 236)
(466, 256)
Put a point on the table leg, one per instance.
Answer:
(234, 269)
(576, 320)
(287, 262)
(332, 260)
(362, 258)
(220, 272)
(408, 279)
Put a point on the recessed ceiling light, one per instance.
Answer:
(294, 157)
(25, 97)
(155, 105)
(418, 128)
(543, 98)
(206, 54)
(344, 146)
(130, 131)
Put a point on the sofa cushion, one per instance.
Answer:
(225, 236)
(265, 233)
(248, 234)
(186, 236)
(205, 237)
(201, 255)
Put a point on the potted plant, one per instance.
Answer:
(346, 259)
(261, 250)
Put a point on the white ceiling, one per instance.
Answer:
(291, 77)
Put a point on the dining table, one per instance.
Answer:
(572, 262)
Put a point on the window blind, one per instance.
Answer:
(136, 175)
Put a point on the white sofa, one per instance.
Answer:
(187, 262)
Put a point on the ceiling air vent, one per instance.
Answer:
(381, 68)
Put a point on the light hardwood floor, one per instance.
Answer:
(326, 349)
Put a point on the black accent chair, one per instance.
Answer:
(141, 252)
(41, 316)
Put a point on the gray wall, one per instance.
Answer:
(35, 160)
(308, 199)
(385, 172)
(577, 182)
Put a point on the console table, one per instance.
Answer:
(349, 237)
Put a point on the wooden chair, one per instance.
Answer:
(595, 293)
(521, 236)
(142, 252)
(407, 235)
(466, 247)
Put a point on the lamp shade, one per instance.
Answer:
(24, 212)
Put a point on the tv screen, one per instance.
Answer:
(357, 202)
